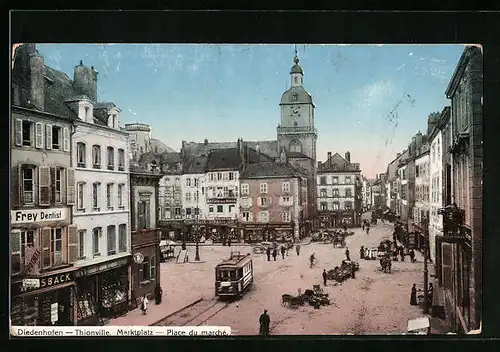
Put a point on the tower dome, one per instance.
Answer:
(296, 68)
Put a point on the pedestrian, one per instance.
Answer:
(324, 277)
(229, 241)
(363, 224)
(311, 260)
(264, 322)
(347, 254)
(144, 304)
(413, 296)
(367, 229)
(345, 226)
(362, 252)
(268, 252)
(353, 276)
(275, 253)
(430, 293)
(402, 254)
(283, 252)
(158, 294)
(297, 248)
(412, 256)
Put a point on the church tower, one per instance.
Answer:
(296, 133)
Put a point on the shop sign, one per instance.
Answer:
(103, 267)
(30, 284)
(38, 215)
(221, 201)
(55, 279)
(138, 258)
(54, 314)
(32, 260)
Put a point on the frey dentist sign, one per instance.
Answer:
(37, 215)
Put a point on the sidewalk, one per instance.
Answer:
(155, 313)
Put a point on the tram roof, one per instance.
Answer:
(235, 260)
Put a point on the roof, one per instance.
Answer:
(336, 163)
(236, 259)
(253, 156)
(268, 169)
(224, 159)
(195, 165)
(296, 155)
(59, 89)
(469, 52)
(296, 95)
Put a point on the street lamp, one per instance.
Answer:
(197, 254)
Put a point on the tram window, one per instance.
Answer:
(240, 272)
(233, 274)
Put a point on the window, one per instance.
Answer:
(231, 208)
(210, 209)
(286, 187)
(81, 244)
(28, 184)
(245, 189)
(188, 211)
(188, 182)
(122, 238)
(56, 246)
(143, 214)
(336, 206)
(220, 208)
(177, 211)
(231, 176)
(111, 239)
(111, 158)
(323, 206)
(348, 205)
(335, 192)
(263, 201)
(96, 233)
(109, 196)
(195, 196)
(120, 196)
(56, 137)
(348, 192)
(195, 182)
(335, 179)
(80, 154)
(148, 269)
(322, 193)
(152, 268)
(263, 188)
(96, 188)
(87, 113)
(211, 176)
(286, 217)
(121, 160)
(322, 180)
(96, 156)
(348, 180)
(196, 211)
(188, 197)
(285, 200)
(245, 215)
(225, 176)
(28, 131)
(219, 176)
(263, 216)
(57, 184)
(27, 239)
(81, 196)
(295, 146)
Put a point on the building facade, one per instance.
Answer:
(421, 207)
(44, 241)
(337, 192)
(145, 236)
(462, 247)
(271, 201)
(367, 194)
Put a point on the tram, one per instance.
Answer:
(234, 275)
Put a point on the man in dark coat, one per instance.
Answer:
(283, 250)
(268, 252)
(264, 322)
(362, 252)
(275, 253)
(347, 254)
(324, 277)
(158, 294)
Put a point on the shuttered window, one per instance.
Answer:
(39, 135)
(46, 242)
(56, 176)
(15, 251)
(56, 247)
(121, 159)
(73, 248)
(81, 244)
(446, 266)
(66, 139)
(18, 129)
(27, 184)
(44, 185)
(111, 239)
(143, 218)
(70, 186)
(80, 154)
(122, 238)
(48, 136)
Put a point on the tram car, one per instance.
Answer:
(234, 276)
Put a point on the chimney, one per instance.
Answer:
(37, 89)
(85, 81)
(319, 164)
(348, 157)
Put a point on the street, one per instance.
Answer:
(372, 303)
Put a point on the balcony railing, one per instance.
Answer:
(296, 129)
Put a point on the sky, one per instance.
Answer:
(370, 99)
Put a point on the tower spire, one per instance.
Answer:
(296, 57)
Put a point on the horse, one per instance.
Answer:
(386, 264)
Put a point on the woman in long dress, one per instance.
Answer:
(413, 296)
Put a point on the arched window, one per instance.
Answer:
(295, 146)
(80, 154)
(322, 193)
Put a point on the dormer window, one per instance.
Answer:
(85, 111)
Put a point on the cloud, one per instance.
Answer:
(133, 113)
(372, 94)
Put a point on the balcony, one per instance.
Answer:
(144, 237)
(292, 130)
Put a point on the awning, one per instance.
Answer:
(418, 324)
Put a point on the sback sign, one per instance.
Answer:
(37, 215)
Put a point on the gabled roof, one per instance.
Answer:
(253, 156)
(195, 165)
(58, 89)
(268, 169)
(336, 163)
(224, 159)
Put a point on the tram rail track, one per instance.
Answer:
(194, 315)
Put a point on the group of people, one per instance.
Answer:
(274, 251)
(158, 293)
(413, 295)
(366, 225)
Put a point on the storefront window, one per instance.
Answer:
(146, 272)
(24, 311)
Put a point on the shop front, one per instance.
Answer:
(220, 229)
(102, 290)
(44, 301)
(172, 229)
(267, 232)
(145, 268)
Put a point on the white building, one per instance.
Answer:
(421, 207)
(193, 196)
(367, 194)
(221, 194)
(435, 191)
